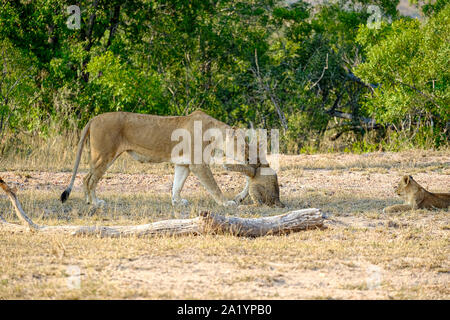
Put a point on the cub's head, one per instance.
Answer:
(407, 186)
(263, 183)
(263, 180)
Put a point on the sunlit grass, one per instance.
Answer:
(409, 250)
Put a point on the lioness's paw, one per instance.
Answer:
(181, 202)
(99, 203)
(230, 203)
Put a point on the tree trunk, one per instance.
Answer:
(114, 24)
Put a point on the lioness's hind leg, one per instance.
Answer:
(90, 183)
(98, 168)
(86, 188)
(181, 173)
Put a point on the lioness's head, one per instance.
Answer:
(407, 186)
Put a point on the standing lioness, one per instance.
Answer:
(149, 138)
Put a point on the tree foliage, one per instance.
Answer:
(263, 63)
(410, 62)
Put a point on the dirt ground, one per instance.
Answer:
(363, 254)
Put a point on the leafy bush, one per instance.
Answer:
(409, 61)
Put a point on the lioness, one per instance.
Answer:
(148, 138)
(416, 197)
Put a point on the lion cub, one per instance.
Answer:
(416, 197)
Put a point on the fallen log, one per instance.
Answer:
(206, 223)
(292, 221)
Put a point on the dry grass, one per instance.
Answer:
(363, 254)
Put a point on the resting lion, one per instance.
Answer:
(416, 197)
(148, 138)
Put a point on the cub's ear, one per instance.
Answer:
(406, 179)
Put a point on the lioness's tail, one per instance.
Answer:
(84, 134)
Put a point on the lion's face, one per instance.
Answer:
(406, 186)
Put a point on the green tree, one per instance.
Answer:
(409, 60)
(17, 86)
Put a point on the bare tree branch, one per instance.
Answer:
(351, 76)
(323, 72)
(114, 25)
(418, 91)
(269, 91)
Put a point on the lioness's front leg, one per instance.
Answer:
(244, 193)
(181, 173)
(397, 208)
(204, 174)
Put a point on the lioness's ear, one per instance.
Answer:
(406, 179)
